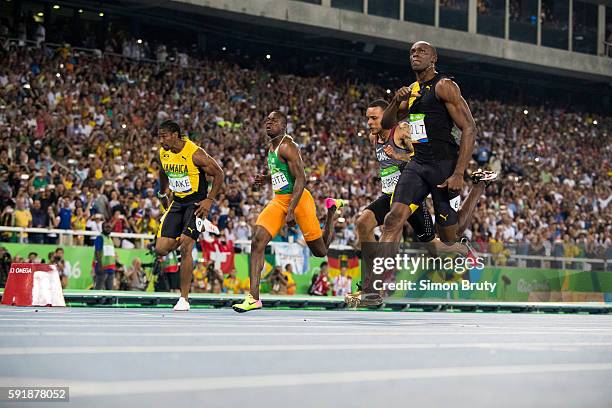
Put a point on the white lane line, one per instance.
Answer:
(205, 320)
(38, 333)
(348, 330)
(15, 351)
(80, 389)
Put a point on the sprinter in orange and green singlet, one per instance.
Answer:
(292, 204)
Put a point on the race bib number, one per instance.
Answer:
(205, 225)
(455, 203)
(180, 184)
(418, 132)
(108, 250)
(279, 181)
(389, 178)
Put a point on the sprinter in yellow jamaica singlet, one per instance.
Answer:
(185, 166)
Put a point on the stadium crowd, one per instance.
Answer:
(78, 147)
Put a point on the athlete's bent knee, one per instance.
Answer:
(259, 240)
(161, 250)
(362, 224)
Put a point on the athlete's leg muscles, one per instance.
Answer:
(165, 245)
(366, 223)
(394, 222)
(261, 238)
(328, 230)
(466, 211)
(186, 244)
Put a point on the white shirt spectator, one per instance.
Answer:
(342, 285)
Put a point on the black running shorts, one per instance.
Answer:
(418, 180)
(420, 221)
(179, 220)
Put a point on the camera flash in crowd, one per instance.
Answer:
(267, 56)
(123, 126)
(139, 41)
(525, 111)
(388, 91)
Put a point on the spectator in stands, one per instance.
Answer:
(199, 276)
(291, 285)
(321, 285)
(278, 281)
(232, 284)
(7, 219)
(5, 265)
(79, 223)
(170, 279)
(214, 279)
(136, 276)
(65, 217)
(22, 216)
(40, 219)
(342, 283)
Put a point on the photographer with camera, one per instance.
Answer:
(278, 281)
(136, 277)
(214, 279)
(60, 264)
(5, 265)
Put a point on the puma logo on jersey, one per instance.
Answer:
(444, 216)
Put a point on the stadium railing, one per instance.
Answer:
(66, 237)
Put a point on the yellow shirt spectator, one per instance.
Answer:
(23, 218)
(232, 284)
(246, 285)
(290, 283)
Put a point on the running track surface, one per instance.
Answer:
(303, 358)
